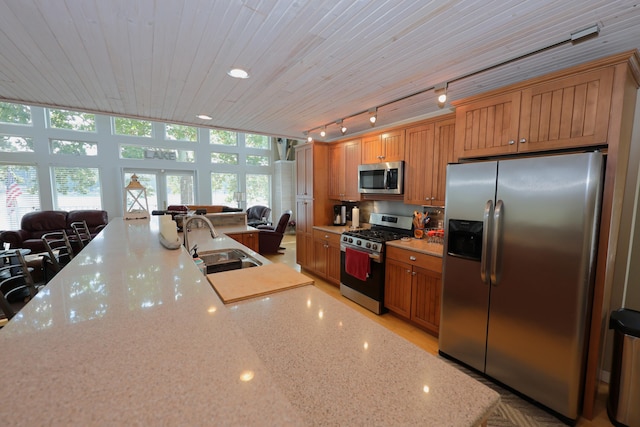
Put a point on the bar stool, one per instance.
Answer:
(16, 285)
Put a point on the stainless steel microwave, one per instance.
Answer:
(381, 178)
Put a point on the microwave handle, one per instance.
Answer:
(385, 180)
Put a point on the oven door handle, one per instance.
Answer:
(374, 257)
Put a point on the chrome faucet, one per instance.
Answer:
(185, 228)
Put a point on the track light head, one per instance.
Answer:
(343, 128)
(323, 132)
(441, 92)
(373, 116)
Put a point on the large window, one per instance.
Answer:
(76, 188)
(76, 148)
(19, 194)
(223, 137)
(73, 120)
(165, 188)
(224, 158)
(132, 127)
(139, 152)
(223, 185)
(257, 141)
(181, 133)
(16, 144)
(15, 113)
(79, 160)
(258, 189)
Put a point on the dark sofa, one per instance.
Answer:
(34, 224)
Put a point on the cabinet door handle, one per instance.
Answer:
(408, 271)
(511, 142)
(523, 140)
(413, 273)
(412, 258)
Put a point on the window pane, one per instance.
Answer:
(131, 127)
(74, 120)
(15, 113)
(181, 133)
(19, 194)
(258, 190)
(223, 137)
(180, 189)
(257, 160)
(153, 153)
(257, 141)
(224, 158)
(76, 188)
(15, 144)
(78, 148)
(223, 185)
(148, 181)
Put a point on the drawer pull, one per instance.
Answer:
(412, 258)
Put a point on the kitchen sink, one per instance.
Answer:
(227, 259)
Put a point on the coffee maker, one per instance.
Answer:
(339, 214)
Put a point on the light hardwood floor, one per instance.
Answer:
(410, 332)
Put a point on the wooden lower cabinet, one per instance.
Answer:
(413, 283)
(249, 239)
(326, 259)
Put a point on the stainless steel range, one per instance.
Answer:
(362, 259)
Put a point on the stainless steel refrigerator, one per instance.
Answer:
(519, 261)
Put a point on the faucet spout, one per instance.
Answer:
(185, 228)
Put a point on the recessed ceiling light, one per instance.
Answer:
(238, 73)
(204, 117)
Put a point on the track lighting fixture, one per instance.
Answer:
(441, 92)
(343, 128)
(373, 115)
(308, 135)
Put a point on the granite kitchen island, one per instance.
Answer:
(132, 333)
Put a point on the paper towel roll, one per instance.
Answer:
(169, 229)
(355, 217)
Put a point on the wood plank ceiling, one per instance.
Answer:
(311, 62)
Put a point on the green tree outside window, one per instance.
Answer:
(15, 113)
(73, 120)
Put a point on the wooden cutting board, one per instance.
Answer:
(237, 285)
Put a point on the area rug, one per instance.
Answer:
(512, 411)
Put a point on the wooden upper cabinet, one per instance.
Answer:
(429, 148)
(488, 127)
(384, 147)
(571, 112)
(304, 167)
(344, 159)
(567, 112)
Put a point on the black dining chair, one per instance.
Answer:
(16, 285)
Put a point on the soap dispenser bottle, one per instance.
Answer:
(198, 261)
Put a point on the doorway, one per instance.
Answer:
(164, 187)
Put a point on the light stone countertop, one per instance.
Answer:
(131, 333)
(418, 245)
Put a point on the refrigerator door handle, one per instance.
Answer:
(486, 231)
(496, 253)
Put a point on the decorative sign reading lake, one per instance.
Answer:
(160, 154)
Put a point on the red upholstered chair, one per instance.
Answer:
(270, 238)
